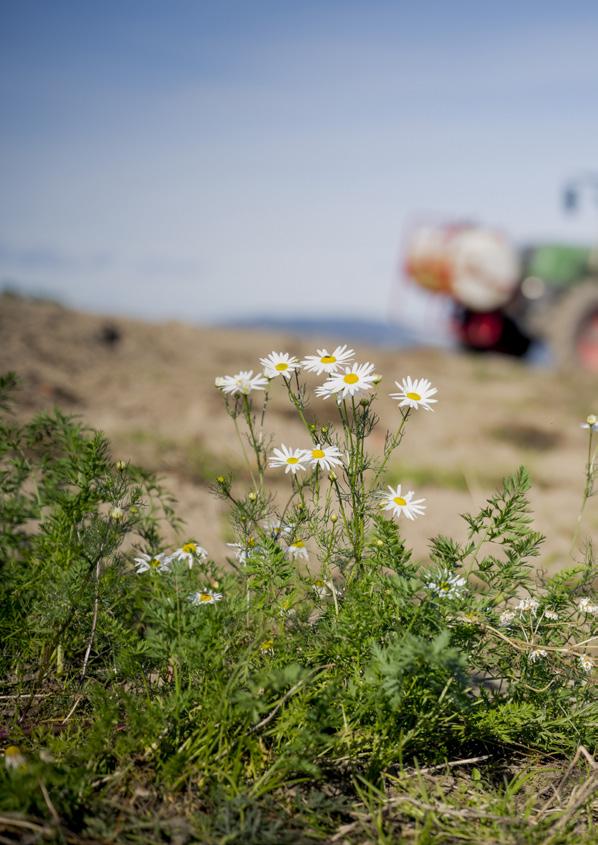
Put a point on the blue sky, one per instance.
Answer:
(212, 159)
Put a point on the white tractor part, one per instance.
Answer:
(477, 267)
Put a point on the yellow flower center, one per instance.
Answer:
(205, 597)
(415, 396)
(328, 359)
(292, 460)
(281, 366)
(266, 645)
(319, 584)
(351, 378)
(299, 544)
(399, 500)
(190, 548)
(317, 453)
(12, 751)
(154, 563)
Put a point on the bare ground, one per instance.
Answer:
(151, 390)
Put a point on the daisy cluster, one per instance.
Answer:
(344, 377)
(189, 554)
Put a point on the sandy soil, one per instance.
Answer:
(151, 391)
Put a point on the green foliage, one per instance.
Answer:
(225, 685)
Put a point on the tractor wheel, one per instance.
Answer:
(573, 333)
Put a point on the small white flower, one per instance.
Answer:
(447, 585)
(551, 614)
(585, 605)
(528, 606)
(241, 383)
(205, 597)
(292, 459)
(13, 759)
(297, 549)
(323, 456)
(398, 503)
(152, 563)
(355, 378)
(328, 362)
(537, 654)
(243, 552)
(280, 364)
(591, 422)
(190, 553)
(586, 662)
(320, 588)
(267, 647)
(506, 617)
(415, 393)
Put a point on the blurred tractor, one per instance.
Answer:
(505, 298)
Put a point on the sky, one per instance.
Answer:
(212, 160)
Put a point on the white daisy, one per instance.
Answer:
(551, 614)
(586, 662)
(280, 364)
(297, 549)
(355, 378)
(205, 597)
(585, 605)
(398, 503)
(243, 552)
(415, 393)
(446, 585)
(323, 456)
(243, 382)
(152, 563)
(527, 605)
(267, 647)
(320, 588)
(190, 553)
(293, 460)
(537, 654)
(506, 617)
(328, 362)
(591, 422)
(13, 759)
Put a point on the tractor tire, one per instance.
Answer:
(572, 333)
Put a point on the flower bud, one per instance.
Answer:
(332, 476)
(121, 465)
(377, 378)
(117, 514)
(591, 419)
(221, 479)
(252, 497)
(333, 518)
(325, 429)
(379, 543)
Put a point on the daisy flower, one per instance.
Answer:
(297, 549)
(190, 553)
(591, 422)
(328, 362)
(355, 378)
(243, 382)
(267, 647)
(293, 459)
(585, 605)
(205, 597)
(527, 606)
(446, 585)
(152, 563)
(279, 364)
(415, 393)
(13, 759)
(551, 614)
(536, 654)
(326, 457)
(398, 503)
(506, 617)
(320, 589)
(586, 662)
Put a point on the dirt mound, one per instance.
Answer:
(149, 386)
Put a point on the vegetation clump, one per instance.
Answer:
(319, 685)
